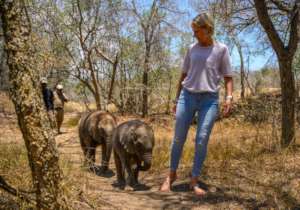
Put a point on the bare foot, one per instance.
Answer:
(198, 191)
(166, 186)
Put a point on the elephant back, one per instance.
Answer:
(97, 125)
(83, 125)
(129, 132)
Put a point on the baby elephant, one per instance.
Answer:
(133, 142)
(96, 128)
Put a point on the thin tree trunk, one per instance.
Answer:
(242, 80)
(145, 95)
(169, 94)
(95, 83)
(122, 87)
(145, 82)
(249, 86)
(242, 69)
(288, 102)
(115, 65)
(32, 117)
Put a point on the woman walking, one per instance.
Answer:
(205, 63)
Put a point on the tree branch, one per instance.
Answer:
(281, 6)
(134, 10)
(19, 193)
(264, 18)
(101, 54)
(294, 32)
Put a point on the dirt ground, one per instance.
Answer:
(230, 184)
(100, 188)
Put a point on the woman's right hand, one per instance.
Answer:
(174, 108)
(174, 105)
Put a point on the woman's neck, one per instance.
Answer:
(206, 43)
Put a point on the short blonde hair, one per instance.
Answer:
(205, 20)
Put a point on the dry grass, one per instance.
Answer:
(75, 107)
(6, 105)
(75, 110)
(73, 120)
(244, 165)
(15, 169)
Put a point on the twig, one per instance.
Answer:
(19, 193)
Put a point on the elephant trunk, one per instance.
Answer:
(147, 161)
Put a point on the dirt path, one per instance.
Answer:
(102, 190)
(103, 187)
(99, 189)
(97, 192)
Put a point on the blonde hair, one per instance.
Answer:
(204, 20)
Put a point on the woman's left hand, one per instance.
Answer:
(227, 108)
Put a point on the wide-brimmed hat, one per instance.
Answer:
(59, 87)
(43, 80)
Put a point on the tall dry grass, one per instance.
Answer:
(245, 163)
(6, 105)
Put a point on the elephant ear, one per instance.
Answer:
(128, 141)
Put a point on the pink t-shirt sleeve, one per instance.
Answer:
(225, 66)
(186, 62)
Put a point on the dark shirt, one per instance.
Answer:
(48, 98)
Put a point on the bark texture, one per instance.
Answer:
(285, 55)
(32, 118)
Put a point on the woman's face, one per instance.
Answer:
(201, 34)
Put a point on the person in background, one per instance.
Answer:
(48, 99)
(206, 62)
(59, 101)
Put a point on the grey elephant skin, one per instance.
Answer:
(133, 143)
(96, 128)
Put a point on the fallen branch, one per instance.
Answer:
(18, 193)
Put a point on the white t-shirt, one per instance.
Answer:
(205, 66)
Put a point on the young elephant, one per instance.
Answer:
(96, 128)
(133, 142)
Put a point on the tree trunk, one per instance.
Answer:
(288, 102)
(145, 82)
(168, 108)
(32, 117)
(97, 98)
(285, 55)
(95, 83)
(115, 65)
(145, 95)
(242, 70)
(242, 80)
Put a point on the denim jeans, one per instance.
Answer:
(206, 104)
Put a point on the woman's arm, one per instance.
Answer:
(179, 86)
(228, 98)
(228, 85)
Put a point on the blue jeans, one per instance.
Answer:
(206, 104)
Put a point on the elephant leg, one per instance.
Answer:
(119, 169)
(85, 151)
(104, 162)
(106, 153)
(137, 169)
(129, 171)
(85, 162)
(90, 156)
